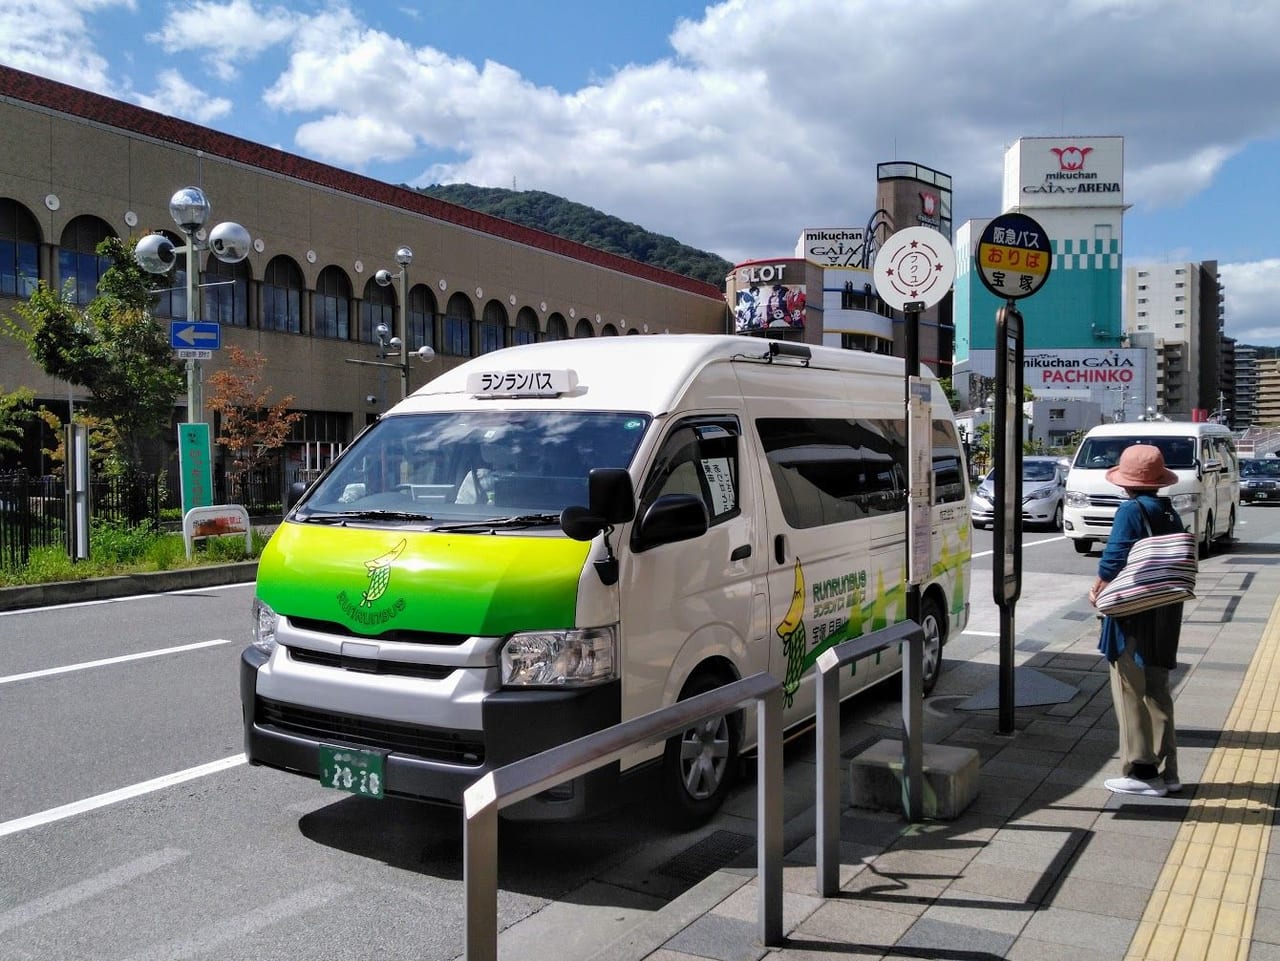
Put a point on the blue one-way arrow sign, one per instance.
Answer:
(185, 334)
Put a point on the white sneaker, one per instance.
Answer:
(1133, 785)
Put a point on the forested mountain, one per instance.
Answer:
(585, 225)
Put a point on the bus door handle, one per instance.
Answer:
(780, 548)
(740, 553)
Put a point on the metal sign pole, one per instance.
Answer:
(1007, 571)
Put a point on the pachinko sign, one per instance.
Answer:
(1058, 369)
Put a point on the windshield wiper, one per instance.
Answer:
(521, 520)
(340, 517)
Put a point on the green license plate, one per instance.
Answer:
(351, 770)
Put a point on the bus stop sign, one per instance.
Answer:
(1014, 256)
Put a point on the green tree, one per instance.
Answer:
(254, 428)
(15, 407)
(112, 348)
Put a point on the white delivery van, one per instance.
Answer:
(1206, 496)
(557, 537)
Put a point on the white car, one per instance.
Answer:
(1043, 483)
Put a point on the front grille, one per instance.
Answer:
(320, 626)
(369, 665)
(1106, 500)
(433, 744)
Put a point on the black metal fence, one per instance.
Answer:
(261, 492)
(33, 509)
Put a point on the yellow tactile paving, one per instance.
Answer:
(1206, 897)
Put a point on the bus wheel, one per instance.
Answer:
(699, 764)
(933, 625)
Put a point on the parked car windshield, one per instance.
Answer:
(462, 465)
(1257, 467)
(1101, 453)
(1032, 470)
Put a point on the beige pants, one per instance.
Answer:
(1144, 715)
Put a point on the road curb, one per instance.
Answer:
(126, 585)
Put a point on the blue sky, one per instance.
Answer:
(730, 126)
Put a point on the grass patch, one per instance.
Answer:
(116, 549)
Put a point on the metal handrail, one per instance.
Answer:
(828, 734)
(531, 775)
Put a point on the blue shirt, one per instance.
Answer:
(1127, 529)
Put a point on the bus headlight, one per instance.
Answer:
(264, 627)
(560, 658)
(1186, 503)
(1076, 499)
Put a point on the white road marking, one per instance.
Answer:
(67, 897)
(207, 940)
(85, 665)
(115, 797)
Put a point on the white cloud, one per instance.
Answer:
(179, 98)
(766, 116)
(770, 115)
(1252, 307)
(227, 33)
(55, 41)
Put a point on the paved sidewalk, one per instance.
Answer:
(1046, 864)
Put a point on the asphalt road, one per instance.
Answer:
(131, 829)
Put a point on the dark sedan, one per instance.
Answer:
(1259, 479)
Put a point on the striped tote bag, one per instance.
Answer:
(1161, 570)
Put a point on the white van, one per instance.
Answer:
(557, 537)
(1206, 496)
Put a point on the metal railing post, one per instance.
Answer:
(828, 790)
(769, 816)
(530, 776)
(480, 870)
(828, 732)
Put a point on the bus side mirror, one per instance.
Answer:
(296, 490)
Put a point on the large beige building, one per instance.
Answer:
(76, 167)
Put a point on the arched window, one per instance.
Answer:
(224, 292)
(19, 249)
(171, 288)
(584, 329)
(282, 296)
(526, 331)
(379, 308)
(557, 329)
(608, 330)
(633, 330)
(79, 266)
(493, 327)
(458, 316)
(422, 317)
(332, 305)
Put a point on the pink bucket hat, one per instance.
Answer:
(1141, 465)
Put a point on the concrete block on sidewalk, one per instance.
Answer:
(950, 779)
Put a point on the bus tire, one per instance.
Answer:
(699, 764)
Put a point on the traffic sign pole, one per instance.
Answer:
(913, 271)
(1014, 258)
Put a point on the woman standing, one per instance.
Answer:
(1141, 648)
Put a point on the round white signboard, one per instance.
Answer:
(914, 266)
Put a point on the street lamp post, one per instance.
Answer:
(399, 344)
(404, 257)
(156, 254)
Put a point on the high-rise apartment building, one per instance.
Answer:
(1180, 307)
(1245, 399)
(1268, 408)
